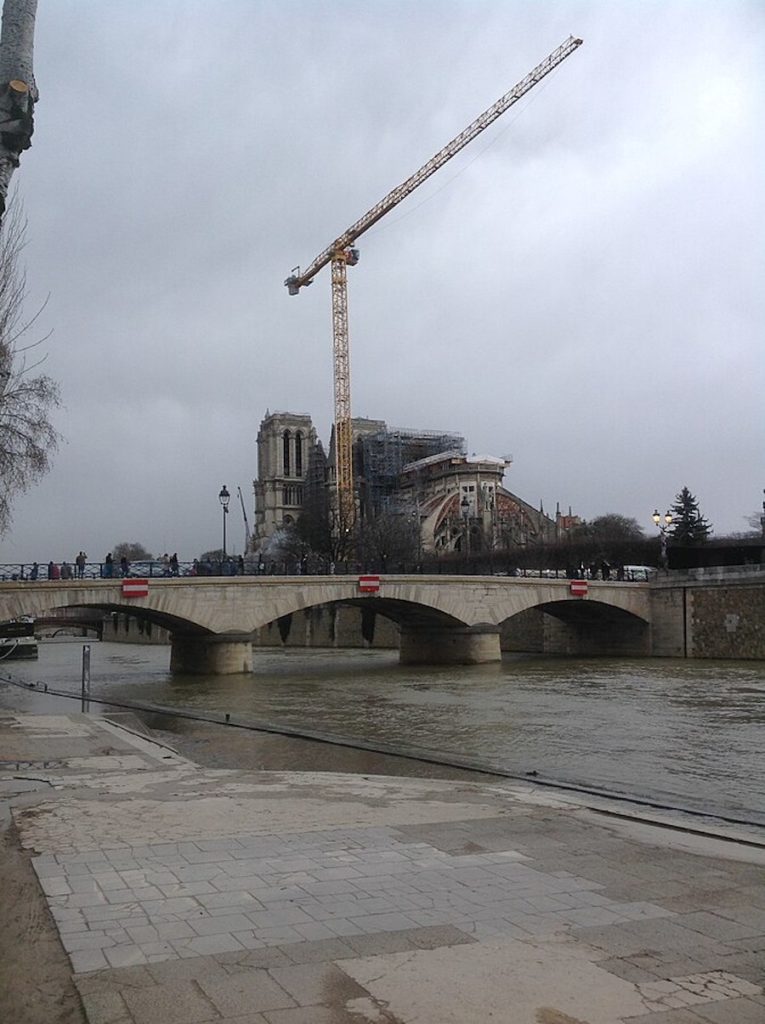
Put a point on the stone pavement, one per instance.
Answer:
(186, 895)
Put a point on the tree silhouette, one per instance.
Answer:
(27, 437)
(688, 524)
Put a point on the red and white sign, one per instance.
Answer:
(369, 584)
(135, 588)
(578, 588)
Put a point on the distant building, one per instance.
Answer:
(462, 506)
(458, 499)
(285, 442)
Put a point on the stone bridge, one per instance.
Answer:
(442, 619)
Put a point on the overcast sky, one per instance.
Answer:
(582, 288)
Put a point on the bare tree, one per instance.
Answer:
(18, 91)
(27, 437)
(132, 550)
(389, 539)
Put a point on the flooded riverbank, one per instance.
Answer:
(680, 732)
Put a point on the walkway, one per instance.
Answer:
(190, 895)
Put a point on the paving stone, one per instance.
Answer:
(205, 924)
(125, 955)
(267, 956)
(340, 926)
(731, 1011)
(186, 889)
(312, 1015)
(234, 898)
(320, 951)
(249, 991)
(269, 918)
(659, 936)
(172, 1002)
(438, 936)
(204, 945)
(381, 942)
(185, 970)
(384, 923)
(72, 941)
(666, 1017)
(84, 960)
(719, 927)
(314, 931)
(316, 984)
(280, 936)
(105, 1008)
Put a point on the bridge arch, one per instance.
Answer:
(586, 628)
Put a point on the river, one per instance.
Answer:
(687, 733)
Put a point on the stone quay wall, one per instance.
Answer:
(709, 618)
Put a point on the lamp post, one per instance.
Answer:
(224, 498)
(465, 506)
(662, 527)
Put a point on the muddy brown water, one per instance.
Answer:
(686, 733)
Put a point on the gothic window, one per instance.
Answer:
(298, 454)
(286, 452)
(292, 495)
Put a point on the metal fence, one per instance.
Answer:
(158, 569)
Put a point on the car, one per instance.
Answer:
(639, 573)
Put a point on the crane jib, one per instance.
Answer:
(342, 253)
(299, 280)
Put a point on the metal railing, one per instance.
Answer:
(159, 569)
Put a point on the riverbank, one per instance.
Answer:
(187, 893)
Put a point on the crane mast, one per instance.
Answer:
(247, 538)
(342, 253)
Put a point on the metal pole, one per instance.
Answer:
(225, 510)
(85, 706)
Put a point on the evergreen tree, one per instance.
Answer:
(688, 524)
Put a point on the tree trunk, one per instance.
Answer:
(18, 92)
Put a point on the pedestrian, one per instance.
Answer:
(54, 573)
(108, 568)
(79, 565)
(605, 570)
(240, 565)
(66, 571)
(166, 564)
(174, 564)
(34, 572)
(124, 567)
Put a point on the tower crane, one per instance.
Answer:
(342, 253)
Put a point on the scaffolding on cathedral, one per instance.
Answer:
(382, 455)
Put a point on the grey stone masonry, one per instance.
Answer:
(188, 895)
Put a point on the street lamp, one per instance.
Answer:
(224, 498)
(662, 528)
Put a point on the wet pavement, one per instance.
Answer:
(185, 894)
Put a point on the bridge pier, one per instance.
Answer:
(449, 645)
(218, 654)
